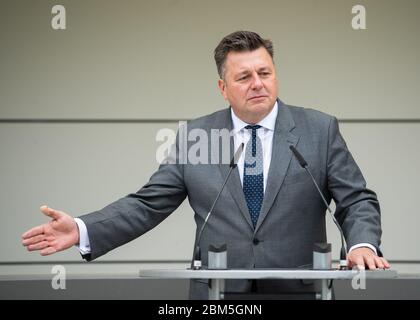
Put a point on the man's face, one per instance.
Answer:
(250, 84)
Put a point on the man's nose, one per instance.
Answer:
(256, 82)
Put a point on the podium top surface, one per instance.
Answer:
(265, 274)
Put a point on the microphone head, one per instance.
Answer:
(235, 159)
(299, 157)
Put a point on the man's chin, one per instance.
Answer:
(259, 110)
(261, 106)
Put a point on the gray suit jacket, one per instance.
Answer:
(292, 216)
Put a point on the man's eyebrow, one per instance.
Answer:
(242, 72)
(265, 68)
(246, 71)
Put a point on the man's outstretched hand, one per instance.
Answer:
(58, 234)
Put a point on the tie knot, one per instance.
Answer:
(253, 128)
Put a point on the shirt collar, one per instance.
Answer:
(269, 122)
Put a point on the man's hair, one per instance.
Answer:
(239, 41)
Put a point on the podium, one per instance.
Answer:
(217, 277)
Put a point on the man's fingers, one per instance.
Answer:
(386, 263)
(47, 251)
(33, 232)
(378, 262)
(38, 246)
(357, 262)
(33, 240)
(382, 263)
(54, 214)
(370, 262)
(50, 212)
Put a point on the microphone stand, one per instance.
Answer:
(197, 251)
(343, 251)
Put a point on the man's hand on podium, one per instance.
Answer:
(365, 257)
(58, 234)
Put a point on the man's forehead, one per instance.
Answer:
(247, 59)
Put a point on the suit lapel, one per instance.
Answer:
(280, 159)
(233, 185)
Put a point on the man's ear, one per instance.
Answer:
(222, 88)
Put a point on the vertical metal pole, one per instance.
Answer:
(216, 289)
(326, 292)
(217, 259)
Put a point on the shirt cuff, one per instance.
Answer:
(367, 245)
(84, 244)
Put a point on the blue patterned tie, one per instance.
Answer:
(253, 181)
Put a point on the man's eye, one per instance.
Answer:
(243, 78)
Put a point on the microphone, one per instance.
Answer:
(233, 164)
(304, 165)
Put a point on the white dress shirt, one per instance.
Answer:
(241, 135)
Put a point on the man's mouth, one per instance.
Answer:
(257, 97)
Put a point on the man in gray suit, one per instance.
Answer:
(269, 214)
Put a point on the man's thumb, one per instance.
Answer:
(50, 212)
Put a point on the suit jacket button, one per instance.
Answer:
(256, 241)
